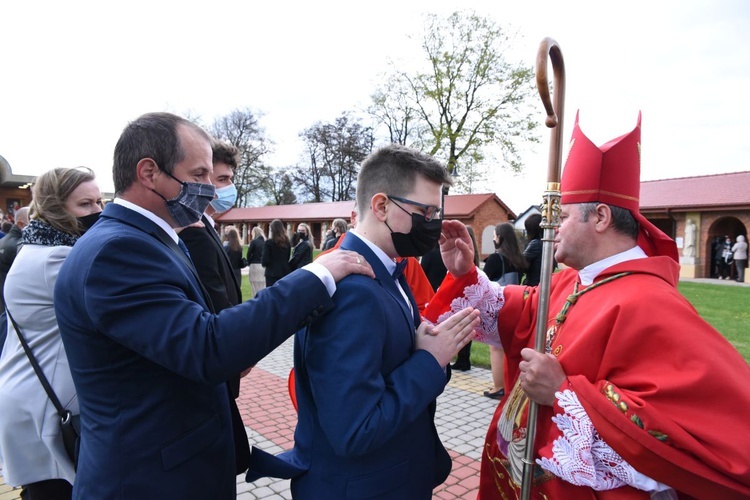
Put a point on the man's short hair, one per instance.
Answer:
(6, 226)
(155, 136)
(622, 220)
(225, 153)
(340, 225)
(393, 170)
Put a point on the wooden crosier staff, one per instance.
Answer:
(550, 221)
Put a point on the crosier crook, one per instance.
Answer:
(550, 220)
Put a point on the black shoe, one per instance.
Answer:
(495, 395)
(461, 367)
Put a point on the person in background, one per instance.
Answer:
(367, 394)
(739, 250)
(726, 257)
(329, 240)
(9, 248)
(716, 245)
(303, 248)
(506, 259)
(66, 202)
(233, 248)
(533, 251)
(619, 415)
(276, 251)
(339, 229)
(149, 357)
(254, 259)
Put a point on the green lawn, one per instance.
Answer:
(727, 308)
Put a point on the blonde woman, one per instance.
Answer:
(303, 249)
(66, 202)
(254, 258)
(233, 247)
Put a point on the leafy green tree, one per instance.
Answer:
(468, 105)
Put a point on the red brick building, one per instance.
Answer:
(718, 205)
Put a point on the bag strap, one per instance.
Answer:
(39, 373)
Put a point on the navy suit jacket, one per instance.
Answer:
(217, 277)
(366, 399)
(150, 361)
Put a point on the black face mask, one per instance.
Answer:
(87, 221)
(302, 236)
(421, 239)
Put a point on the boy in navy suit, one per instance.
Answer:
(368, 373)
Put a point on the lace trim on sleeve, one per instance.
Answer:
(581, 457)
(486, 296)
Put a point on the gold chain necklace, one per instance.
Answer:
(569, 302)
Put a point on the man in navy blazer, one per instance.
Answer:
(368, 373)
(148, 358)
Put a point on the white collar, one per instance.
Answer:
(588, 273)
(149, 215)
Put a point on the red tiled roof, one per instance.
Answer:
(719, 190)
(303, 211)
(457, 206)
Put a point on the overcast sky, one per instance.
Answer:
(74, 73)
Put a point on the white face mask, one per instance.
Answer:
(225, 198)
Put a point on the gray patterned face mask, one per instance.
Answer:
(188, 206)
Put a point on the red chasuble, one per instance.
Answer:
(662, 388)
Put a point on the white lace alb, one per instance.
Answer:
(581, 457)
(486, 296)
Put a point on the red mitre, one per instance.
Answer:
(611, 174)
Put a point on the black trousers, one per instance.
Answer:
(463, 356)
(52, 489)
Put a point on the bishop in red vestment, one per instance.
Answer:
(639, 397)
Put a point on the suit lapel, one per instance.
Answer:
(138, 221)
(382, 275)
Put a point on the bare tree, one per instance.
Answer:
(335, 151)
(280, 187)
(469, 103)
(242, 129)
(391, 107)
(310, 177)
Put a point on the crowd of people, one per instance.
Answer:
(135, 313)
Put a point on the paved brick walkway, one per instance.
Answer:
(462, 417)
